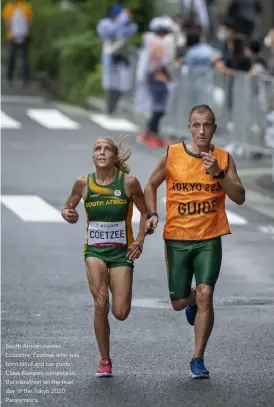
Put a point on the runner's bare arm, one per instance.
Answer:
(232, 184)
(134, 191)
(69, 212)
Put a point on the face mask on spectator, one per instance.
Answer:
(267, 42)
(221, 35)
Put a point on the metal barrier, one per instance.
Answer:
(244, 107)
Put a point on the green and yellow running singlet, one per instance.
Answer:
(109, 212)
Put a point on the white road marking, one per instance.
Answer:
(235, 219)
(232, 217)
(31, 208)
(72, 109)
(269, 229)
(8, 122)
(151, 303)
(52, 119)
(112, 123)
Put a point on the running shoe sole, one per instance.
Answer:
(103, 374)
(200, 376)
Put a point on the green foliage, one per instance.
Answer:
(64, 43)
(77, 60)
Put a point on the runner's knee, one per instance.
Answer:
(121, 312)
(179, 305)
(101, 305)
(204, 296)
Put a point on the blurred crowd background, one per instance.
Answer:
(154, 60)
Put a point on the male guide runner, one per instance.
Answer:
(109, 194)
(198, 177)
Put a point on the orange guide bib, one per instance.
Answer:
(195, 204)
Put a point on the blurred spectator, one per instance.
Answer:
(195, 14)
(115, 30)
(238, 60)
(153, 78)
(244, 14)
(225, 37)
(178, 35)
(17, 16)
(258, 64)
(200, 54)
(213, 18)
(269, 44)
(199, 60)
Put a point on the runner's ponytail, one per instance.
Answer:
(123, 153)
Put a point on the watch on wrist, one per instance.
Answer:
(221, 175)
(152, 214)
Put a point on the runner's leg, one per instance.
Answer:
(204, 319)
(180, 274)
(98, 279)
(121, 279)
(207, 264)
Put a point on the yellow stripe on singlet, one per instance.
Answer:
(120, 173)
(86, 244)
(99, 190)
(130, 238)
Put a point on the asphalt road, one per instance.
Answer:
(46, 301)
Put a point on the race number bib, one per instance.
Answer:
(107, 234)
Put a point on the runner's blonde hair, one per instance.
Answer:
(122, 152)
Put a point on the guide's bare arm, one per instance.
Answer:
(157, 178)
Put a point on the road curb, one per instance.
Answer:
(23, 99)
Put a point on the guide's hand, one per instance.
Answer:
(70, 214)
(151, 224)
(135, 250)
(211, 163)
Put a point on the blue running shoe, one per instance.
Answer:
(198, 369)
(191, 312)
